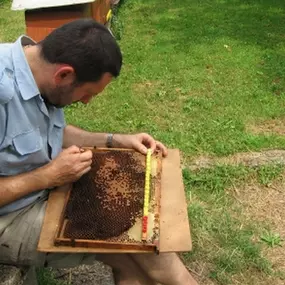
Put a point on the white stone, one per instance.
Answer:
(10, 275)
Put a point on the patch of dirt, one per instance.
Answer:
(256, 278)
(274, 126)
(244, 158)
(200, 162)
(200, 271)
(263, 204)
(266, 204)
(147, 85)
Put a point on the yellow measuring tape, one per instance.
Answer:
(109, 15)
(146, 194)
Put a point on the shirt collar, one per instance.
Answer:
(23, 74)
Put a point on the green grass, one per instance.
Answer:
(196, 74)
(180, 83)
(11, 22)
(267, 173)
(271, 239)
(223, 238)
(47, 277)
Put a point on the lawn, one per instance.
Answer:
(205, 77)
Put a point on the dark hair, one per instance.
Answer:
(87, 46)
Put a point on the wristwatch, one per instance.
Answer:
(109, 142)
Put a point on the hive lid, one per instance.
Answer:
(37, 4)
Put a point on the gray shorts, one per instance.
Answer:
(19, 235)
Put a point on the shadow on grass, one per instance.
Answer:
(251, 22)
(258, 24)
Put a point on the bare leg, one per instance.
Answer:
(165, 268)
(126, 271)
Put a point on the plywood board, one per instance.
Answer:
(175, 232)
(174, 224)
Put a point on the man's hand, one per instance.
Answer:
(69, 165)
(139, 142)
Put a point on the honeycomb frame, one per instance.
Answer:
(124, 239)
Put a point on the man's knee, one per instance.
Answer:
(166, 268)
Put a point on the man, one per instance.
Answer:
(74, 63)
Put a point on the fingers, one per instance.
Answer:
(146, 141)
(84, 171)
(83, 168)
(85, 164)
(160, 146)
(137, 145)
(72, 149)
(149, 141)
(86, 155)
(142, 142)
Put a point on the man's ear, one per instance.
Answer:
(64, 75)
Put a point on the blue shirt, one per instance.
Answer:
(31, 133)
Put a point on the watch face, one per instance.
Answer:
(109, 140)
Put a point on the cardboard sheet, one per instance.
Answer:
(174, 225)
